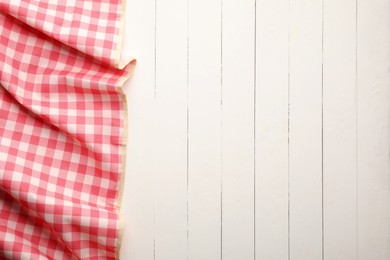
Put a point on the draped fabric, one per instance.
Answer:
(62, 128)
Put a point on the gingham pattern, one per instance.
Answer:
(91, 26)
(62, 139)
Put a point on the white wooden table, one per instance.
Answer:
(258, 129)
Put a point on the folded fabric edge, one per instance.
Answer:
(122, 25)
(131, 61)
(130, 70)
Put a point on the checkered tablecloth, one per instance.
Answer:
(62, 128)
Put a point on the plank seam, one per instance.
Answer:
(254, 130)
(188, 122)
(155, 87)
(356, 108)
(221, 130)
(288, 135)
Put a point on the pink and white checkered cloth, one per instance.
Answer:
(62, 128)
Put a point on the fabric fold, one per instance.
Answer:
(94, 27)
(62, 128)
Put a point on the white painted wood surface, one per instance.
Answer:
(237, 105)
(258, 129)
(272, 102)
(305, 130)
(339, 129)
(373, 124)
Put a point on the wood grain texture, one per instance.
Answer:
(339, 140)
(204, 130)
(272, 57)
(258, 130)
(373, 111)
(305, 130)
(171, 121)
(238, 65)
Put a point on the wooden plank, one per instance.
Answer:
(373, 128)
(238, 37)
(305, 130)
(138, 196)
(171, 127)
(272, 48)
(204, 133)
(339, 103)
